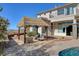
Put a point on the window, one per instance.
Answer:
(60, 11)
(63, 30)
(72, 10)
(68, 10)
(60, 29)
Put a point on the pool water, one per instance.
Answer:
(70, 52)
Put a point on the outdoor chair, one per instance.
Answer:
(41, 38)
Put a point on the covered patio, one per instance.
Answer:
(66, 26)
(28, 24)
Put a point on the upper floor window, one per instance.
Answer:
(60, 11)
(70, 10)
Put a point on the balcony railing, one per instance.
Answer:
(62, 18)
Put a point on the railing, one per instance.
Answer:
(62, 18)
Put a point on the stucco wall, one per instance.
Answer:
(46, 15)
(54, 13)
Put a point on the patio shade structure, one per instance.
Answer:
(32, 22)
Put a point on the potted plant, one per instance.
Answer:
(31, 36)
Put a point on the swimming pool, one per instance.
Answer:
(74, 51)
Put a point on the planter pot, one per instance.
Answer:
(29, 39)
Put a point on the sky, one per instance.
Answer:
(15, 11)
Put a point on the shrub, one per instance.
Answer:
(3, 32)
(33, 33)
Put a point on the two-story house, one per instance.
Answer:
(64, 20)
(59, 21)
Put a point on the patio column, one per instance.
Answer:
(19, 33)
(24, 34)
(74, 28)
(49, 31)
(24, 31)
(65, 31)
(46, 28)
(52, 29)
(40, 31)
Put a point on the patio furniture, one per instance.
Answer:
(41, 38)
(49, 37)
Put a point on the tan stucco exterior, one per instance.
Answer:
(52, 23)
(62, 18)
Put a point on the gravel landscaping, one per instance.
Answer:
(15, 50)
(39, 48)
